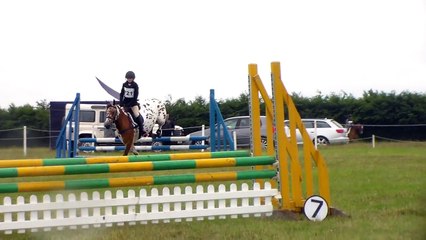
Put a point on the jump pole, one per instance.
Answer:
(135, 181)
(120, 159)
(135, 166)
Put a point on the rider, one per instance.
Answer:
(129, 99)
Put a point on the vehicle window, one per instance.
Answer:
(321, 124)
(308, 124)
(102, 116)
(87, 116)
(287, 123)
(231, 124)
(337, 124)
(244, 123)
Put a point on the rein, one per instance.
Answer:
(116, 117)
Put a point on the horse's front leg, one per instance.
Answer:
(127, 150)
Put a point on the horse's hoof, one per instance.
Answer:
(135, 153)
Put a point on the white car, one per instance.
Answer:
(328, 131)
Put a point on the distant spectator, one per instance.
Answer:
(349, 122)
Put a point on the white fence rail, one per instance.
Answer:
(206, 202)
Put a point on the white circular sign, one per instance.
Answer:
(315, 208)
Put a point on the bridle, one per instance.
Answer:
(114, 116)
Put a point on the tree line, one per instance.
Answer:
(374, 109)
(384, 114)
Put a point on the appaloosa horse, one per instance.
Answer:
(155, 116)
(154, 113)
(354, 131)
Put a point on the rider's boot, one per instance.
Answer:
(139, 121)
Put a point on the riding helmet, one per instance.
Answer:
(130, 74)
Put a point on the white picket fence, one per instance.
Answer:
(106, 210)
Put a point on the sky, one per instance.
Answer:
(52, 50)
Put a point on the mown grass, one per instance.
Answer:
(382, 190)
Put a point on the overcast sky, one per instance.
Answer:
(50, 50)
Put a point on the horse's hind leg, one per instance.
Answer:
(156, 131)
(134, 151)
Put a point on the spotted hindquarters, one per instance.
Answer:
(154, 112)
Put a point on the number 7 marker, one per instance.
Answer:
(315, 208)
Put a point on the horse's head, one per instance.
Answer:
(112, 112)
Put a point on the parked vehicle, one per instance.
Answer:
(241, 126)
(91, 123)
(92, 117)
(328, 131)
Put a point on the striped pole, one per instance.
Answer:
(136, 166)
(144, 148)
(135, 181)
(120, 159)
(146, 139)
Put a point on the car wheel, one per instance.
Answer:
(264, 142)
(322, 140)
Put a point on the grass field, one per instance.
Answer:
(382, 190)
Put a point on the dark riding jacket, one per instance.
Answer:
(129, 94)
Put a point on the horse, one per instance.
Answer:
(155, 116)
(354, 131)
(126, 128)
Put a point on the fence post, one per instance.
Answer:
(373, 140)
(25, 141)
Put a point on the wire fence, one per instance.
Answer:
(395, 125)
(374, 140)
(32, 137)
(381, 132)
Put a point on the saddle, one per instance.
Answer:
(136, 122)
(129, 114)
